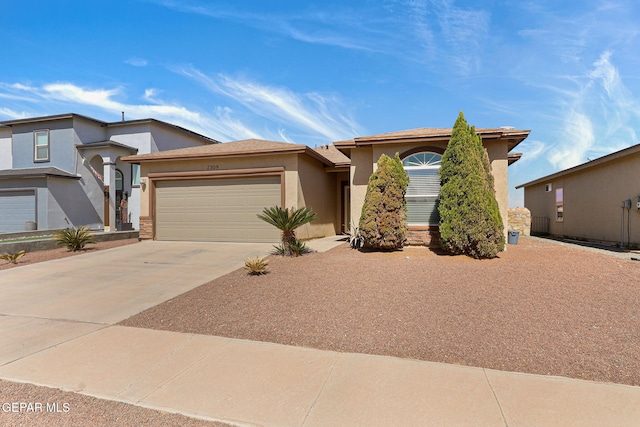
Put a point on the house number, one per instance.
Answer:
(213, 167)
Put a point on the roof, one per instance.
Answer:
(101, 144)
(68, 116)
(246, 147)
(36, 173)
(634, 149)
(334, 155)
(513, 136)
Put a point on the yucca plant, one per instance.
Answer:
(74, 238)
(356, 241)
(256, 266)
(287, 221)
(13, 257)
(298, 248)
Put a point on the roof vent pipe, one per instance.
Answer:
(123, 116)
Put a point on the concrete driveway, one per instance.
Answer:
(44, 304)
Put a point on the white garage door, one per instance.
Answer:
(216, 210)
(16, 207)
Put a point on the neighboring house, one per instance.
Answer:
(66, 170)
(214, 192)
(597, 200)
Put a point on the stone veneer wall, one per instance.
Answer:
(146, 227)
(429, 238)
(520, 220)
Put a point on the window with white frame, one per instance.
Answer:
(41, 145)
(423, 192)
(548, 187)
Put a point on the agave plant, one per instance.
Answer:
(74, 238)
(356, 241)
(256, 266)
(13, 257)
(287, 221)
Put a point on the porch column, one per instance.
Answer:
(110, 180)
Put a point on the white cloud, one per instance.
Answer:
(314, 115)
(47, 99)
(577, 139)
(136, 62)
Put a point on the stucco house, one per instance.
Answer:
(597, 200)
(66, 170)
(214, 192)
(421, 152)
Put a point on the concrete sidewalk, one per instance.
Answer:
(252, 383)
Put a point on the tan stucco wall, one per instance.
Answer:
(592, 202)
(305, 183)
(364, 161)
(316, 190)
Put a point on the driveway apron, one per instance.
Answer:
(51, 302)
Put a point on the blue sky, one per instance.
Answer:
(313, 72)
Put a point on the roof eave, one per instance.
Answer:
(155, 158)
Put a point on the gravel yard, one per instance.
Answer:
(541, 308)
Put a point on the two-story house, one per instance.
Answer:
(65, 170)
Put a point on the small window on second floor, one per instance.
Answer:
(41, 145)
(548, 188)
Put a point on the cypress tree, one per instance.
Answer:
(383, 222)
(470, 221)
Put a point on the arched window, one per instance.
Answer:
(423, 192)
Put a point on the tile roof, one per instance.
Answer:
(514, 136)
(334, 155)
(235, 148)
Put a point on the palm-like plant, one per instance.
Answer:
(74, 238)
(287, 221)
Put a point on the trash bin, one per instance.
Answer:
(513, 237)
(30, 226)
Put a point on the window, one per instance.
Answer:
(559, 205)
(41, 146)
(423, 192)
(548, 188)
(135, 174)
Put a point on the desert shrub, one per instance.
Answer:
(287, 221)
(356, 241)
(298, 248)
(13, 258)
(383, 222)
(470, 221)
(75, 238)
(256, 266)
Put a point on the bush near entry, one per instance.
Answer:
(383, 222)
(470, 221)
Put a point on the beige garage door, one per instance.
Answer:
(216, 210)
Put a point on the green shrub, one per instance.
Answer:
(470, 221)
(298, 248)
(287, 221)
(383, 222)
(13, 257)
(75, 238)
(256, 266)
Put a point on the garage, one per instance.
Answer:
(216, 210)
(16, 208)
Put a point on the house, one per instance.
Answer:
(421, 152)
(596, 200)
(213, 193)
(66, 170)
